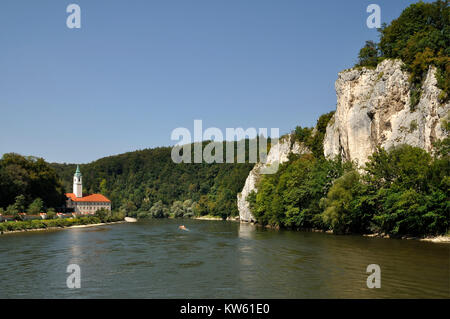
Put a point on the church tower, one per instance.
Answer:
(77, 183)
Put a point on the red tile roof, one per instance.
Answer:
(89, 198)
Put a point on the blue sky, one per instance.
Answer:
(136, 70)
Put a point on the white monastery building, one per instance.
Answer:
(85, 204)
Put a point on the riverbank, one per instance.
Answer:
(211, 217)
(432, 239)
(207, 218)
(441, 239)
(54, 224)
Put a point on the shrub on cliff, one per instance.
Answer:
(313, 138)
(369, 55)
(420, 37)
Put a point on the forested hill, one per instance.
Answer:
(137, 181)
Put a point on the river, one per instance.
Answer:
(216, 259)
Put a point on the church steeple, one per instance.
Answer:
(78, 183)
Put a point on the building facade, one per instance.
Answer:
(85, 205)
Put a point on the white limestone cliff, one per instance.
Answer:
(373, 109)
(278, 154)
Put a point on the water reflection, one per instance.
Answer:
(217, 260)
(75, 246)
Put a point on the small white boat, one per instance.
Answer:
(130, 219)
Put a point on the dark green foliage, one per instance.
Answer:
(102, 214)
(314, 139)
(345, 207)
(36, 207)
(409, 190)
(31, 177)
(291, 197)
(159, 210)
(52, 223)
(148, 180)
(404, 191)
(369, 55)
(420, 37)
(302, 134)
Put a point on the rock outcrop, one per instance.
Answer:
(278, 154)
(373, 109)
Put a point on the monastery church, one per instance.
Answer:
(85, 204)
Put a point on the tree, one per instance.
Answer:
(102, 214)
(340, 209)
(188, 208)
(128, 208)
(17, 207)
(103, 186)
(51, 213)
(177, 209)
(12, 210)
(158, 210)
(20, 203)
(409, 191)
(368, 55)
(36, 207)
(31, 177)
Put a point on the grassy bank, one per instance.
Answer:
(12, 226)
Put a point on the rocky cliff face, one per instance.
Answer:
(373, 109)
(278, 154)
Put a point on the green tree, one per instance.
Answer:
(103, 187)
(12, 210)
(409, 190)
(188, 208)
(368, 56)
(340, 205)
(177, 209)
(102, 214)
(158, 210)
(20, 203)
(51, 213)
(36, 207)
(31, 177)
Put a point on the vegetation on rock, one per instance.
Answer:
(420, 37)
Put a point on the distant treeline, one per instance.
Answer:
(28, 184)
(148, 183)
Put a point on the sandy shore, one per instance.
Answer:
(207, 218)
(229, 219)
(445, 239)
(438, 239)
(58, 228)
